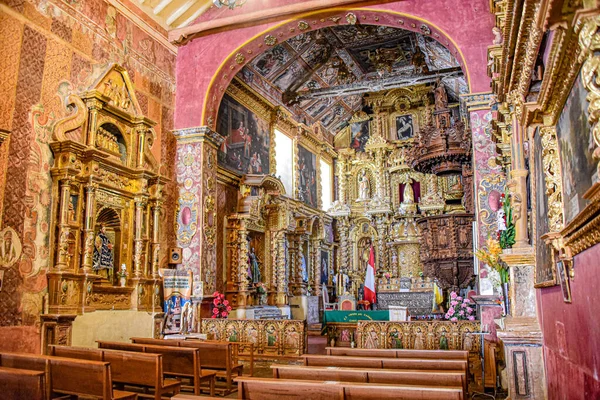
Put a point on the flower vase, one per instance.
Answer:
(505, 293)
(123, 281)
(332, 342)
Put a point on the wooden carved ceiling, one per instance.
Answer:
(311, 74)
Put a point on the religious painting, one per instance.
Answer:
(325, 267)
(10, 247)
(291, 74)
(576, 145)
(544, 269)
(246, 146)
(563, 278)
(404, 127)
(359, 135)
(395, 53)
(73, 202)
(307, 177)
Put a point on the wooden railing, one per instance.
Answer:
(271, 338)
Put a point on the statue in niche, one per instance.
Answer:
(441, 97)
(443, 341)
(419, 340)
(468, 342)
(303, 268)
(103, 261)
(409, 194)
(363, 186)
(254, 264)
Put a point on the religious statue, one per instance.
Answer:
(441, 97)
(419, 341)
(103, 254)
(500, 220)
(409, 194)
(443, 342)
(468, 342)
(254, 266)
(363, 186)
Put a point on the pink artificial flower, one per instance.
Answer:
(469, 310)
(225, 302)
(467, 300)
(447, 316)
(215, 310)
(216, 302)
(228, 308)
(459, 298)
(224, 314)
(451, 310)
(453, 303)
(453, 319)
(453, 295)
(213, 316)
(471, 318)
(215, 294)
(461, 313)
(222, 296)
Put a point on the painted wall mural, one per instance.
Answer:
(307, 177)
(246, 147)
(359, 135)
(576, 146)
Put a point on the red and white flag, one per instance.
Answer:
(370, 279)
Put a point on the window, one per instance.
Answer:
(284, 157)
(326, 184)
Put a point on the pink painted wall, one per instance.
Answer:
(572, 333)
(468, 23)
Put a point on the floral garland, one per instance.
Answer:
(460, 309)
(221, 307)
(491, 256)
(506, 228)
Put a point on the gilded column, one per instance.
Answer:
(344, 254)
(242, 278)
(138, 240)
(156, 210)
(281, 297)
(518, 184)
(88, 226)
(63, 225)
(316, 257)
(93, 105)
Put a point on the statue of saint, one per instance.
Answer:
(443, 342)
(254, 266)
(103, 261)
(419, 341)
(441, 97)
(303, 267)
(363, 186)
(409, 194)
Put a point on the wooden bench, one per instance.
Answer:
(373, 362)
(399, 353)
(23, 384)
(127, 367)
(235, 347)
(250, 388)
(95, 376)
(426, 378)
(214, 356)
(176, 361)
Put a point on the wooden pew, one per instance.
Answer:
(250, 388)
(399, 353)
(214, 356)
(431, 378)
(127, 367)
(177, 361)
(235, 347)
(372, 362)
(22, 384)
(59, 373)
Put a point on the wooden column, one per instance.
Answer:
(63, 224)
(88, 228)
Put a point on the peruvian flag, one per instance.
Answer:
(370, 278)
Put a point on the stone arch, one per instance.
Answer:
(309, 22)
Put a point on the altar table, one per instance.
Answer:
(341, 325)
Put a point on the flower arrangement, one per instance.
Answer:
(221, 307)
(506, 227)
(491, 256)
(460, 309)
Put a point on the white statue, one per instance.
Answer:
(409, 194)
(363, 186)
(500, 220)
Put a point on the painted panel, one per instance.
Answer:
(307, 177)
(360, 135)
(576, 146)
(246, 146)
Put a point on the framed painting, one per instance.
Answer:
(576, 147)
(404, 127)
(307, 177)
(563, 278)
(246, 146)
(325, 266)
(544, 268)
(359, 135)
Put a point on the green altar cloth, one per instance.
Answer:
(353, 316)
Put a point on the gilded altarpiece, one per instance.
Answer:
(108, 201)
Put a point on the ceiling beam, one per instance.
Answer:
(161, 6)
(380, 84)
(182, 35)
(180, 11)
